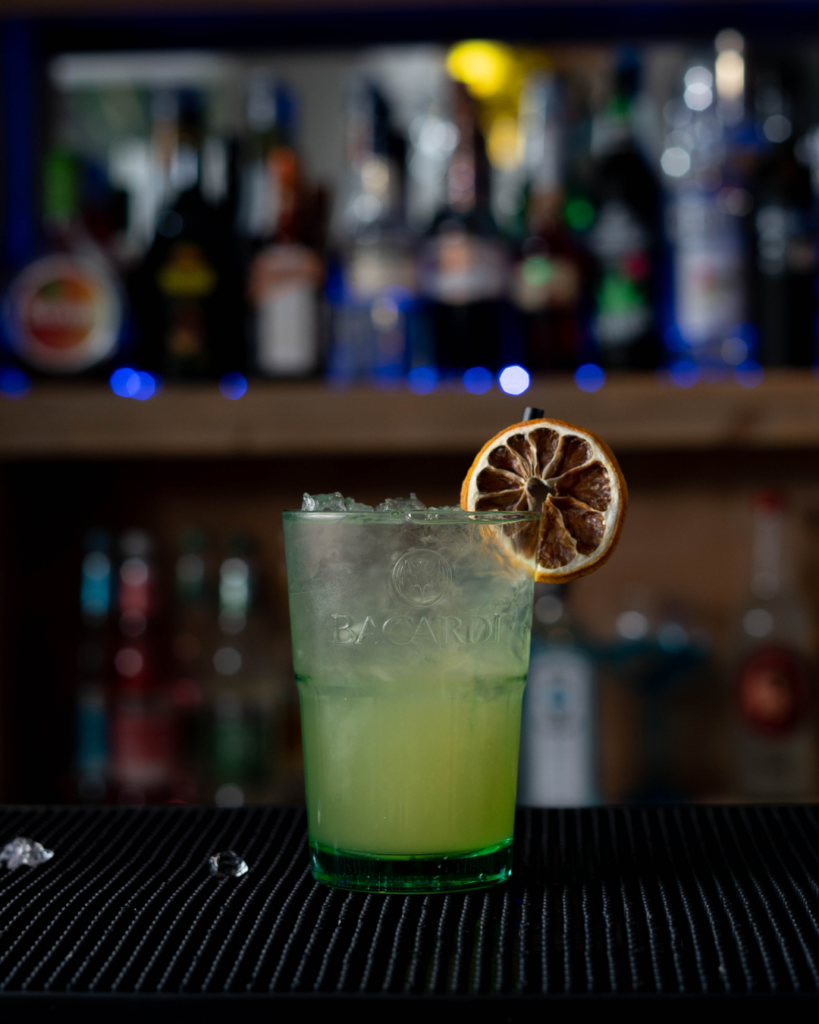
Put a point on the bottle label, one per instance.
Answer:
(63, 314)
(624, 308)
(709, 270)
(238, 742)
(459, 268)
(557, 735)
(283, 284)
(186, 274)
(774, 692)
(142, 747)
(546, 282)
(376, 269)
(92, 732)
(186, 337)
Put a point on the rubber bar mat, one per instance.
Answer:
(606, 902)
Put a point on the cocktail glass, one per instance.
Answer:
(411, 646)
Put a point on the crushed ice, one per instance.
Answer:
(336, 502)
(410, 504)
(227, 865)
(22, 852)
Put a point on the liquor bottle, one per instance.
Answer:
(373, 318)
(91, 751)
(775, 690)
(624, 236)
(142, 727)
(464, 264)
(193, 627)
(243, 694)
(63, 313)
(286, 270)
(785, 237)
(549, 276)
(558, 753)
(186, 292)
(707, 211)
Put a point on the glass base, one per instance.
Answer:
(446, 872)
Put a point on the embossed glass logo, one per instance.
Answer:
(421, 577)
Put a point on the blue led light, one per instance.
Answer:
(477, 380)
(684, 373)
(749, 374)
(14, 383)
(422, 380)
(124, 382)
(129, 383)
(233, 386)
(146, 387)
(589, 377)
(514, 380)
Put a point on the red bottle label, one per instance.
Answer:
(64, 314)
(143, 748)
(774, 692)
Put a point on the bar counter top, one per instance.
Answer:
(655, 909)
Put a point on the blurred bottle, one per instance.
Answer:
(91, 750)
(658, 654)
(785, 235)
(548, 278)
(624, 237)
(186, 292)
(464, 264)
(775, 698)
(558, 753)
(243, 694)
(142, 727)
(708, 207)
(192, 649)
(285, 271)
(373, 316)
(63, 314)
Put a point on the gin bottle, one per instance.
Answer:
(558, 753)
(774, 682)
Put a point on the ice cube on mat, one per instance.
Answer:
(22, 852)
(227, 865)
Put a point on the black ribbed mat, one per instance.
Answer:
(610, 902)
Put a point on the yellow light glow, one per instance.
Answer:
(504, 144)
(730, 69)
(485, 68)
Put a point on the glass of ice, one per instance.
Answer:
(410, 633)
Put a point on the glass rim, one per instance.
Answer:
(429, 516)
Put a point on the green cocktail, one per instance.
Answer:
(411, 646)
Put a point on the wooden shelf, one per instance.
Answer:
(73, 420)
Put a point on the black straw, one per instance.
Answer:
(530, 413)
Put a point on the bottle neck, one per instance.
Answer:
(467, 175)
(767, 564)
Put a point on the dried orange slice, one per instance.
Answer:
(567, 472)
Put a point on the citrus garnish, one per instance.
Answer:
(567, 473)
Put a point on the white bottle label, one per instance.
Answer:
(458, 268)
(557, 764)
(282, 285)
(286, 338)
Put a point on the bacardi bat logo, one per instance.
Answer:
(421, 577)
